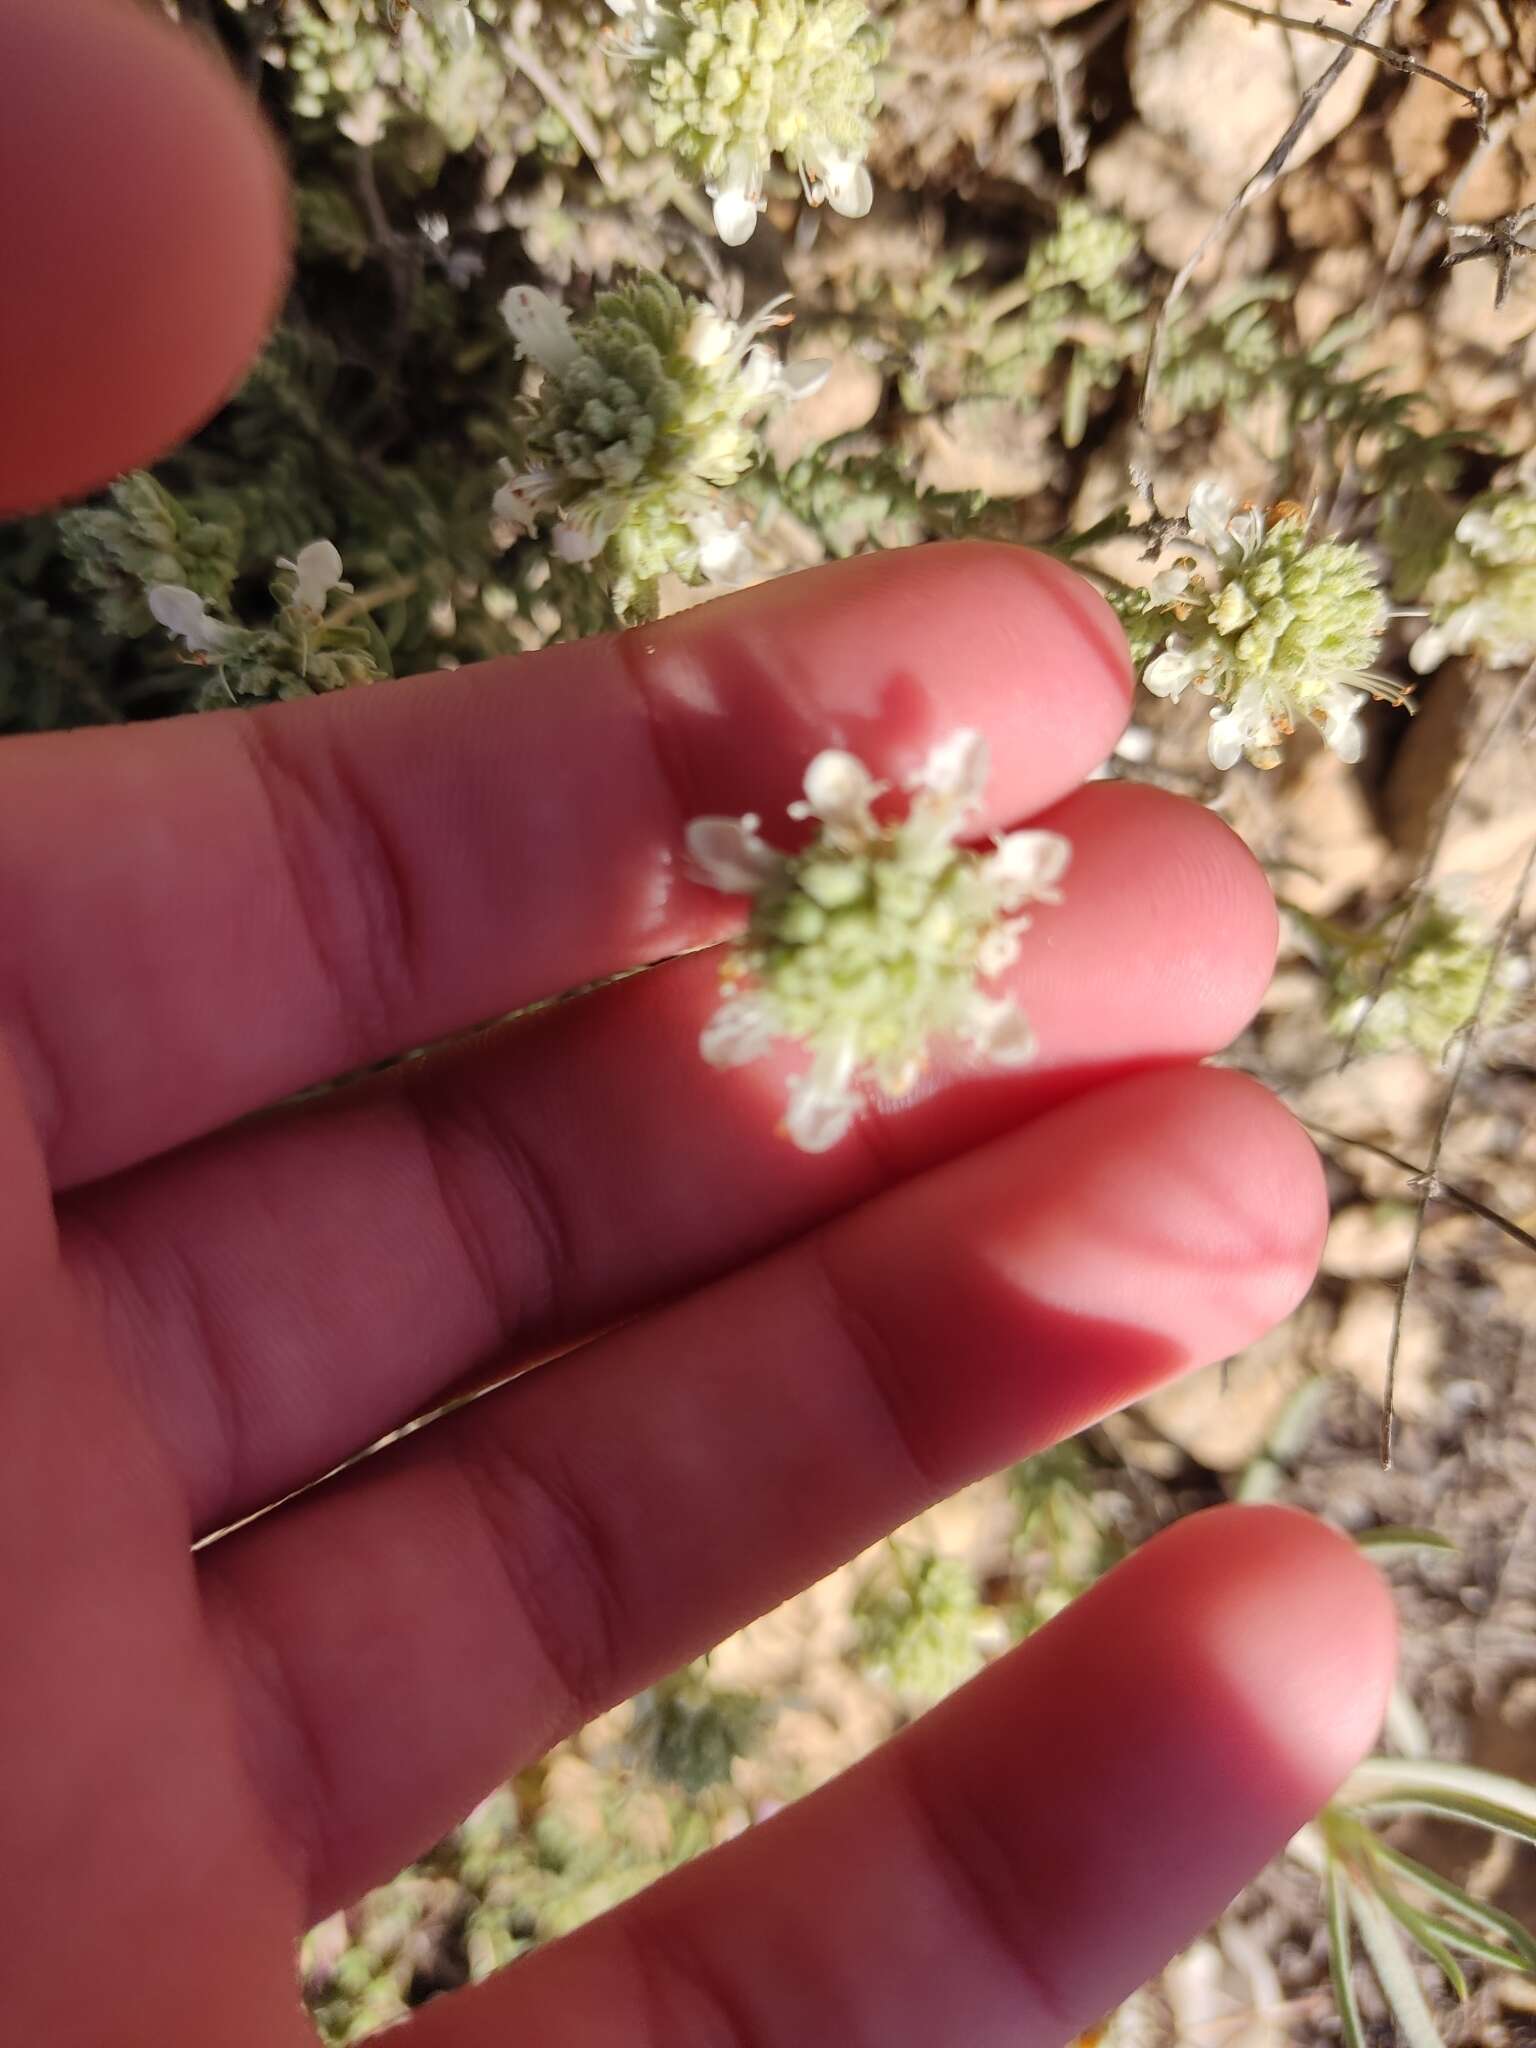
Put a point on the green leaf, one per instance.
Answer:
(1340, 1956)
(1481, 1813)
(1386, 1777)
(1476, 1910)
(1393, 1968)
(1394, 1541)
(1426, 1931)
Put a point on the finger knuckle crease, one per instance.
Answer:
(346, 880)
(550, 1549)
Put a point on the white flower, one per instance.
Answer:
(839, 790)
(823, 1103)
(998, 1029)
(956, 768)
(452, 19)
(522, 497)
(185, 615)
(730, 854)
(576, 544)
(738, 200)
(1170, 673)
(843, 181)
(741, 1030)
(1026, 867)
(541, 327)
(316, 573)
(874, 941)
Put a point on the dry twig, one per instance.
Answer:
(1499, 239)
(1070, 127)
(1421, 881)
(1431, 1184)
(1424, 1183)
(1354, 39)
(1255, 188)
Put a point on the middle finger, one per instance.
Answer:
(287, 1294)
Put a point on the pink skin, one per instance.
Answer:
(202, 1751)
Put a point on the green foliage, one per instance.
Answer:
(920, 1629)
(688, 1732)
(1392, 986)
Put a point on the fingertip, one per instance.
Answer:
(1301, 1627)
(884, 654)
(150, 224)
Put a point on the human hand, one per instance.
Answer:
(782, 1355)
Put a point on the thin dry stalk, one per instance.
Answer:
(1421, 881)
(1261, 181)
(1431, 1184)
(1394, 60)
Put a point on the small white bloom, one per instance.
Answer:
(541, 327)
(1228, 736)
(1435, 643)
(316, 573)
(741, 1030)
(523, 496)
(731, 855)
(839, 790)
(956, 768)
(574, 544)
(1341, 723)
(710, 337)
(999, 1030)
(185, 615)
(736, 208)
(1478, 530)
(1170, 673)
(1026, 867)
(823, 1103)
(452, 19)
(1210, 511)
(843, 181)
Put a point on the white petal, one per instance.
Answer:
(1341, 729)
(1433, 645)
(317, 572)
(803, 379)
(183, 613)
(540, 326)
(724, 556)
(1170, 673)
(735, 216)
(740, 1031)
(710, 337)
(822, 1103)
(1481, 532)
(1169, 585)
(848, 187)
(1027, 866)
(1211, 506)
(998, 1029)
(1227, 739)
(839, 790)
(956, 768)
(1244, 532)
(729, 854)
(998, 950)
(571, 544)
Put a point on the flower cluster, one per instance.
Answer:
(731, 82)
(1284, 631)
(1431, 988)
(873, 942)
(1482, 594)
(643, 414)
(305, 650)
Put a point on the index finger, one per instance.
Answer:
(145, 241)
(251, 902)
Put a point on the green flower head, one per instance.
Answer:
(1482, 594)
(644, 414)
(873, 942)
(1284, 631)
(1432, 987)
(732, 82)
